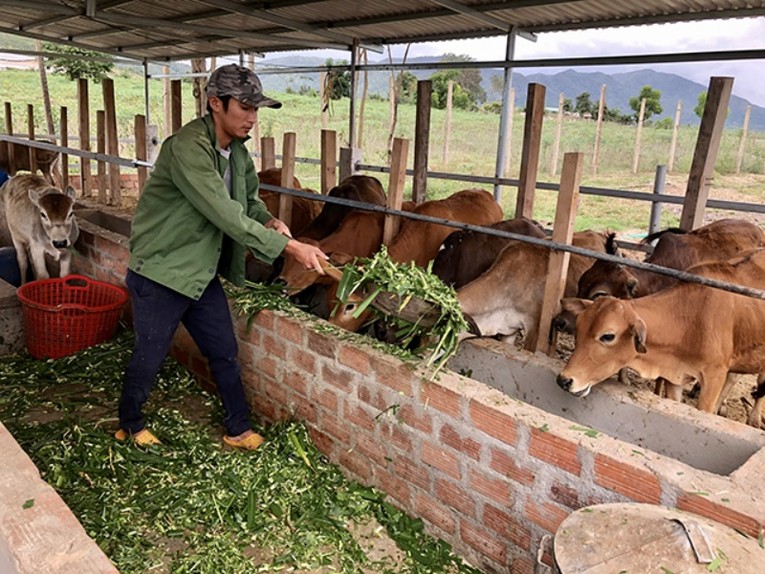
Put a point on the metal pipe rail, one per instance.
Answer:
(123, 161)
(677, 274)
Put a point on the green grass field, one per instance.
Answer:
(472, 144)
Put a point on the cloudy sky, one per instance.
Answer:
(713, 35)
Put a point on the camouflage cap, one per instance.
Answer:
(240, 83)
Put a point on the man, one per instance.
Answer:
(197, 213)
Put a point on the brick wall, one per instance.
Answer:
(489, 474)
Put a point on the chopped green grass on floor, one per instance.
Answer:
(190, 504)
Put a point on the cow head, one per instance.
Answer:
(607, 278)
(344, 314)
(609, 335)
(56, 214)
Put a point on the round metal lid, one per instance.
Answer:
(633, 538)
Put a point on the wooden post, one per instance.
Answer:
(636, 153)
(64, 129)
(557, 265)
(395, 187)
(31, 134)
(532, 141)
(558, 130)
(11, 148)
(83, 111)
(288, 175)
(101, 179)
(255, 134)
(349, 160)
(675, 129)
(509, 133)
(139, 131)
(742, 143)
(166, 100)
(328, 160)
(176, 109)
(362, 107)
(268, 159)
(112, 141)
(421, 141)
(448, 120)
(322, 99)
(705, 155)
(599, 129)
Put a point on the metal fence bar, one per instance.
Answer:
(681, 275)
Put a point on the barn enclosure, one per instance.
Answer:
(491, 454)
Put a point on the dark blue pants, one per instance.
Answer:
(157, 311)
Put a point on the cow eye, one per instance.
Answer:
(350, 307)
(607, 338)
(598, 294)
(44, 215)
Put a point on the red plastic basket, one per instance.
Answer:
(63, 316)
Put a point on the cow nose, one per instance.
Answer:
(564, 383)
(61, 243)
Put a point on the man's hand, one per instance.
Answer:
(308, 255)
(278, 225)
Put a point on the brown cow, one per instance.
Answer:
(304, 211)
(47, 161)
(418, 241)
(466, 254)
(719, 240)
(357, 188)
(685, 332)
(507, 299)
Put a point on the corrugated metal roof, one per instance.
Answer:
(179, 29)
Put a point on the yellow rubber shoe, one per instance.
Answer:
(250, 442)
(143, 437)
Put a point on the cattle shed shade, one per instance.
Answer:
(182, 29)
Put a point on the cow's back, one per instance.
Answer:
(419, 241)
(466, 254)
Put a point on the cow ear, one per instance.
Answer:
(34, 196)
(574, 305)
(632, 286)
(638, 331)
(70, 192)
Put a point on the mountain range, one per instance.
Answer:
(620, 87)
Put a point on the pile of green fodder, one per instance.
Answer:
(190, 504)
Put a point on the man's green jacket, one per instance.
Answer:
(185, 212)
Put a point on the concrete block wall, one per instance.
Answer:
(490, 474)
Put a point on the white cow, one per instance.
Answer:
(41, 221)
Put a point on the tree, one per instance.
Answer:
(468, 78)
(461, 98)
(338, 82)
(568, 106)
(701, 104)
(584, 104)
(652, 102)
(407, 87)
(77, 63)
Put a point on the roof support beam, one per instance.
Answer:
(57, 19)
(474, 14)
(238, 8)
(120, 19)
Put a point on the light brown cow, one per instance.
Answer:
(675, 249)
(47, 161)
(359, 235)
(419, 241)
(41, 222)
(465, 255)
(304, 211)
(685, 332)
(507, 298)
